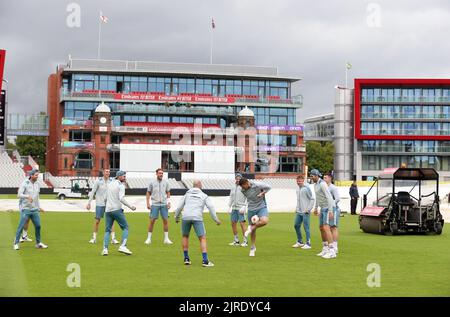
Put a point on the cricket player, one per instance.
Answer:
(99, 191)
(255, 193)
(237, 204)
(115, 197)
(325, 201)
(334, 223)
(193, 203)
(30, 207)
(159, 192)
(305, 205)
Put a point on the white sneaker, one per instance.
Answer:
(16, 246)
(324, 250)
(234, 243)
(298, 245)
(114, 241)
(329, 255)
(244, 244)
(93, 241)
(25, 239)
(167, 241)
(209, 264)
(125, 250)
(247, 232)
(306, 247)
(105, 251)
(148, 241)
(40, 245)
(252, 252)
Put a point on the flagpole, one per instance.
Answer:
(211, 46)
(99, 35)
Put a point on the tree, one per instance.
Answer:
(33, 146)
(320, 155)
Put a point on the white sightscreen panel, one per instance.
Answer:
(133, 160)
(214, 162)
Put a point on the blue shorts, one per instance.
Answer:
(336, 214)
(263, 212)
(99, 212)
(235, 216)
(324, 219)
(156, 210)
(199, 227)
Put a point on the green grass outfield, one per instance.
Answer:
(410, 265)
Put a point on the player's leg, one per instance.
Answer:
(253, 243)
(95, 231)
(36, 219)
(322, 221)
(243, 228)
(263, 215)
(334, 228)
(234, 217)
(24, 237)
(24, 217)
(306, 224)
(109, 220)
(165, 217)
(297, 225)
(113, 236)
(122, 222)
(185, 229)
(200, 230)
(154, 211)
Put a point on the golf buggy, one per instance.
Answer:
(79, 188)
(407, 201)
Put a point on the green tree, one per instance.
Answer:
(33, 146)
(320, 155)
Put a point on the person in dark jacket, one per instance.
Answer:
(354, 196)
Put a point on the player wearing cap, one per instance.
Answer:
(237, 205)
(115, 197)
(325, 201)
(30, 207)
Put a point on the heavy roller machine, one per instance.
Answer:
(407, 201)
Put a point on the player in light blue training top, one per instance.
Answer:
(192, 204)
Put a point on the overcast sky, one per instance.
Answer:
(311, 40)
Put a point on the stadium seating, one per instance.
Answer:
(12, 173)
(281, 182)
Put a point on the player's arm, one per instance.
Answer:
(265, 188)
(179, 208)
(122, 198)
(330, 200)
(92, 194)
(147, 195)
(21, 192)
(212, 210)
(310, 197)
(168, 195)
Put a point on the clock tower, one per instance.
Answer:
(101, 131)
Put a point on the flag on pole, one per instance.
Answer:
(103, 18)
(213, 24)
(349, 66)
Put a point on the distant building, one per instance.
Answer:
(132, 115)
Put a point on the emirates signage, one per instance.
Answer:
(164, 98)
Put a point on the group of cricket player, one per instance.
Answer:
(246, 200)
